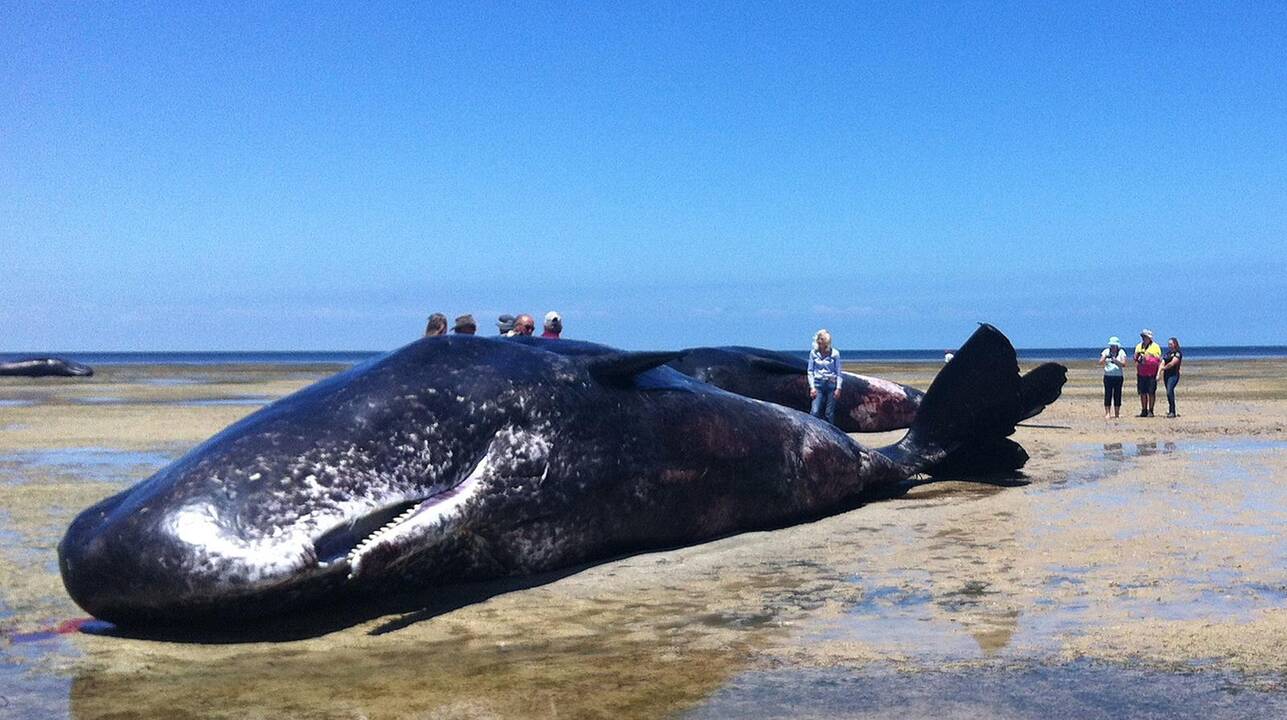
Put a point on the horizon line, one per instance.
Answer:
(244, 351)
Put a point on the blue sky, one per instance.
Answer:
(181, 176)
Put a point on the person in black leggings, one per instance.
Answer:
(1113, 359)
(1171, 373)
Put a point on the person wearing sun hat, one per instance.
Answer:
(1148, 359)
(465, 325)
(1113, 359)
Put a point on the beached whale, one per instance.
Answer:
(45, 367)
(464, 458)
(866, 404)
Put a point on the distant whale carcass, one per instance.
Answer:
(45, 367)
(465, 458)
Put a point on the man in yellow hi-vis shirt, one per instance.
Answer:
(1148, 358)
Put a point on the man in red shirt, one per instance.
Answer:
(1148, 358)
(553, 325)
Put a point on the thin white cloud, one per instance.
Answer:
(862, 310)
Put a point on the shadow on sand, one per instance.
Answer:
(345, 611)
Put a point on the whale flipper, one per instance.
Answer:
(775, 367)
(620, 368)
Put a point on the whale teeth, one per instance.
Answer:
(356, 553)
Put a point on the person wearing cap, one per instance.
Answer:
(505, 325)
(553, 325)
(437, 325)
(1148, 359)
(465, 325)
(824, 377)
(524, 325)
(1113, 359)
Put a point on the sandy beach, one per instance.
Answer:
(1143, 562)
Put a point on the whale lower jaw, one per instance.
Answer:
(399, 519)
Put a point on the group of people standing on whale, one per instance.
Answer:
(1150, 363)
(506, 325)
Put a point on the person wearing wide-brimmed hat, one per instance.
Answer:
(465, 325)
(1148, 360)
(1113, 359)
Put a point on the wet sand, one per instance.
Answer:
(1140, 570)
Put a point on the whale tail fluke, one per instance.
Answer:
(992, 457)
(1040, 387)
(975, 401)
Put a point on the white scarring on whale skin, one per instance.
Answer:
(200, 526)
(448, 504)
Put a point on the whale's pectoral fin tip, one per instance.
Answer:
(774, 367)
(620, 368)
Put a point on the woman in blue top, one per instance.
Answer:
(824, 377)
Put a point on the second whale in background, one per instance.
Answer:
(45, 367)
(866, 404)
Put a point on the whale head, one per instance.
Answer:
(362, 478)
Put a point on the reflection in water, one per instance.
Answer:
(598, 676)
(995, 636)
(86, 464)
(250, 400)
(1064, 692)
(962, 598)
(1115, 452)
(627, 650)
(984, 600)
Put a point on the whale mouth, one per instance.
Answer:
(351, 539)
(343, 539)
